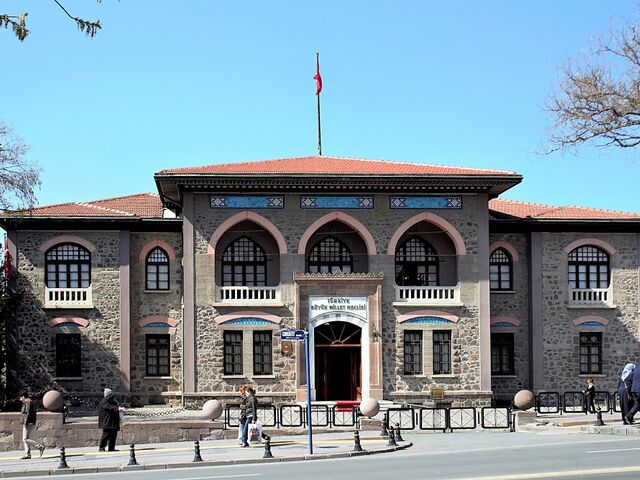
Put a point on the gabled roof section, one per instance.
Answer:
(142, 205)
(322, 165)
(523, 210)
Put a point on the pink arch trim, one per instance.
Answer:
(157, 319)
(429, 217)
(220, 319)
(157, 243)
(83, 322)
(344, 218)
(251, 216)
(428, 313)
(590, 318)
(507, 246)
(52, 242)
(505, 319)
(590, 241)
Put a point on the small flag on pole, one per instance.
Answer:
(317, 76)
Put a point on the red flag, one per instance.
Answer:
(317, 76)
(7, 259)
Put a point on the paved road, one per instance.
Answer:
(461, 456)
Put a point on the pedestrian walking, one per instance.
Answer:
(624, 390)
(109, 421)
(243, 411)
(635, 395)
(251, 414)
(590, 396)
(29, 417)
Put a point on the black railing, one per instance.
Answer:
(575, 402)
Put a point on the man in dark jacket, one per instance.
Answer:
(109, 420)
(635, 395)
(29, 416)
(251, 415)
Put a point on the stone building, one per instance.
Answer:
(407, 277)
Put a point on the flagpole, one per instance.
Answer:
(318, 95)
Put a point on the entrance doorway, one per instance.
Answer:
(337, 361)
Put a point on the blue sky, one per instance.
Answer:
(178, 83)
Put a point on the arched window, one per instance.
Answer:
(501, 270)
(416, 263)
(244, 264)
(68, 265)
(329, 255)
(157, 270)
(588, 267)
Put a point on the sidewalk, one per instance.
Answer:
(181, 454)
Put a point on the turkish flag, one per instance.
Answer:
(317, 77)
(7, 259)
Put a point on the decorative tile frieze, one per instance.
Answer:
(428, 202)
(332, 202)
(503, 325)
(428, 320)
(247, 321)
(157, 325)
(246, 201)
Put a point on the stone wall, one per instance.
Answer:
(35, 359)
(53, 433)
(620, 337)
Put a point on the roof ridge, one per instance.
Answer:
(105, 209)
(125, 196)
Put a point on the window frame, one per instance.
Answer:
(429, 260)
(148, 264)
(243, 267)
(412, 348)
(442, 354)
(501, 266)
(599, 265)
(160, 371)
(498, 354)
(72, 357)
(262, 352)
(344, 253)
(589, 353)
(233, 348)
(68, 263)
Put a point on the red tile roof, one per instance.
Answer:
(538, 211)
(332, 165)
(144, 205)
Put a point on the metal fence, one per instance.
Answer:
(575, 402)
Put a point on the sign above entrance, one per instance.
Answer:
(350, 305)
(292, 335)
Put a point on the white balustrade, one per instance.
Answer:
(238, 295)
(591, 297)
(436, 295)
(68, 297)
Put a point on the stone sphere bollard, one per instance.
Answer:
(53, 401)
(524, 399)
(370, 407)
(212, 409)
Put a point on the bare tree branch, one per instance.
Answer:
(599, 103)
(19, 178)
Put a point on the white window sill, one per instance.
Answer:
(157, 291)
(68, 378)
(158, 378)
(504, 376)
(444, 375)
(593, 375)
(263, 376)
(234, 377)
(503, 291)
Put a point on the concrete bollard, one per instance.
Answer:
(63, 459)
(132, 455)
(392, 438)
(267, 448)
(357, 447)
(398, 434)
(599, 421)
(196, 447)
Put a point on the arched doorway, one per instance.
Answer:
(338, 366)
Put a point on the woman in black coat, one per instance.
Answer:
(109, 420)
(624, 390)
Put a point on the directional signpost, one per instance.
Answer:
(291, 335)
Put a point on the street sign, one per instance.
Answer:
(292, 335)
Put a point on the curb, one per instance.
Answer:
(216, 463)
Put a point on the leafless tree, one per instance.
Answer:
(19, 178)
(18, 23)
(598, 101)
